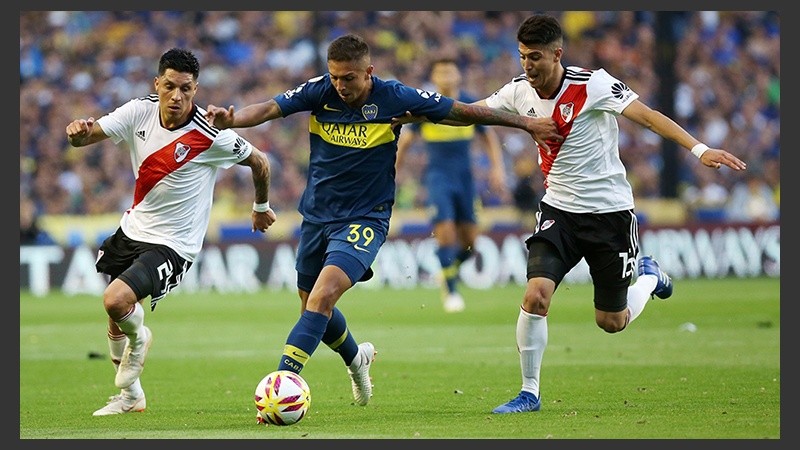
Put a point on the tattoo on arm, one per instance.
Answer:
(483, 115)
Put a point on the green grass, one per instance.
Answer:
(436, 375)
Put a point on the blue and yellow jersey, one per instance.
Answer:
(448, 147)
(351, 170)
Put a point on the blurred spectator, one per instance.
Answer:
(772, 176)
(79, 63)
(29, 231)
(752, 200)
(707, 199)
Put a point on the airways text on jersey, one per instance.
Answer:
(353, 135)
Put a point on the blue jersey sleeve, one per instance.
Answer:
(419, 102)
(305, 97)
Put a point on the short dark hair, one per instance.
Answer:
(350, 47)
(540, 29)
(179, 60)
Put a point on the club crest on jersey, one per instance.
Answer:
(547, 224)
(181, 150)
(566, 111)
(370, 112)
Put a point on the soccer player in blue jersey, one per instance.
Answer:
(350, 191)
(449, 179)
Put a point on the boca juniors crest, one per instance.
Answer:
(370, 112)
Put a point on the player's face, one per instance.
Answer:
(176, 92)
(446, 77)
(541, 66)
(352, 80)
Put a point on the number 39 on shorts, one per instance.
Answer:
(359, 233)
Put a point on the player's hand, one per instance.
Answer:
(263, 220)
(78, 130)
(220, 117)
(714, 157)
(405, 118)
(543, 130)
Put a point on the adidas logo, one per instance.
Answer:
(531, 113)
(140, 134)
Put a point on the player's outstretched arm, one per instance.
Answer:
(220, 117)
(541, 129)
(262, 215)
(248, 116)
(667, 128)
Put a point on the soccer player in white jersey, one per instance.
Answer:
(175, 154)
(587, 210)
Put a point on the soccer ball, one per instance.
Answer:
(282, 398)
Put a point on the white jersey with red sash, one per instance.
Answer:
(175, 173)
(584, 173)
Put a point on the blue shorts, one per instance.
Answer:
(351, 246)
(451, 199)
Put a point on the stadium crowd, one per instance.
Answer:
(78, 64)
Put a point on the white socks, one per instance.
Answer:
(532, 332)
(132, 323)
(639, 293)
(531, 342)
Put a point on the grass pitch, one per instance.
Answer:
(704, 364)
